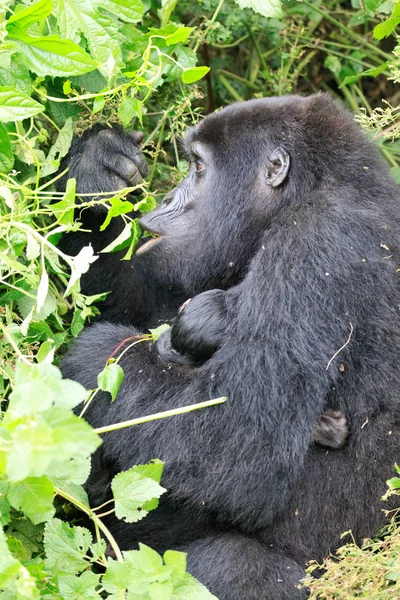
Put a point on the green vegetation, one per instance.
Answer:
(156, 66)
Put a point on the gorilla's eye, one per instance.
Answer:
(199, 166)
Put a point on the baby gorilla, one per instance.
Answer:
(197, 333)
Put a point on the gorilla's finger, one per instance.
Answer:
(124, 167)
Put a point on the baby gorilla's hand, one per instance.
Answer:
(197, 332)
(200, 326)
(331, 430)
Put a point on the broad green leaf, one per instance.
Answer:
(122, 241)
(58, 150)
(27, 303)
(118, 207)
(145, 575)
(194, 74)
(137, 491)
(78, 322)
(66, 547)
(188, 588)
(167, 6)
(34, 497)
(146, 204)
(371, 5)
(40, 386)
(266, 8)
(367, 73)
(387, 27)
(32, 247)
(6, 153)
(51, 55)
(185, 57)
(136, 232)
(129, 109)
(36, 12)
(78, 588)
(16, 75)
(155, 333)
(110, 379)
(180, 35)
(9, 566)
(64, 209)
(88, 18)
(16, 106)
(98, 104)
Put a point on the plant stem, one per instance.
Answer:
(161, 415)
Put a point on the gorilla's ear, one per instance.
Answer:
(278, 167)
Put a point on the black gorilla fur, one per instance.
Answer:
(290, 210)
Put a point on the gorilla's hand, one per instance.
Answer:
(200, 326)
(103, 160)
(331, 430)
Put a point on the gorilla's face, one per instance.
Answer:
(210, 225)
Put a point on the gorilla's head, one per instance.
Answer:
(249, 161)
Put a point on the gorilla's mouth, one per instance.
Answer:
(144, 247)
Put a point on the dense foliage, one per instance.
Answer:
(65, 65)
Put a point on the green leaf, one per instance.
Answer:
(118, 207)
(266, 8)
(145, 576)
(40, 386)
(16, 106)
(333, 64)
(36, 12)
(34, 497)
(88, 18)
(27, 303)
(58, 151)
(51, 55)
(371, 5)
(98, 104)
(387, 27)
(167, 6)
(180, 35)
(194, 74)
(110, 379)
(9, 566)
(373, 72)
(64, 210)
(137, 491)
(78, 322)
(122, 241)
(129, 109)
(155, 333)
(136, 232)
(146, 204)
(6, 153)
(66, 547)
(78, 588)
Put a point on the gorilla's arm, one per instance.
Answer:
(105, 160)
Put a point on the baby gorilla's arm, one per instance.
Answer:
(199, 331)
(200, 326)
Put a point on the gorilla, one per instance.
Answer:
(286, 234)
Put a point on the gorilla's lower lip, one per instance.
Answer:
(142, 249)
